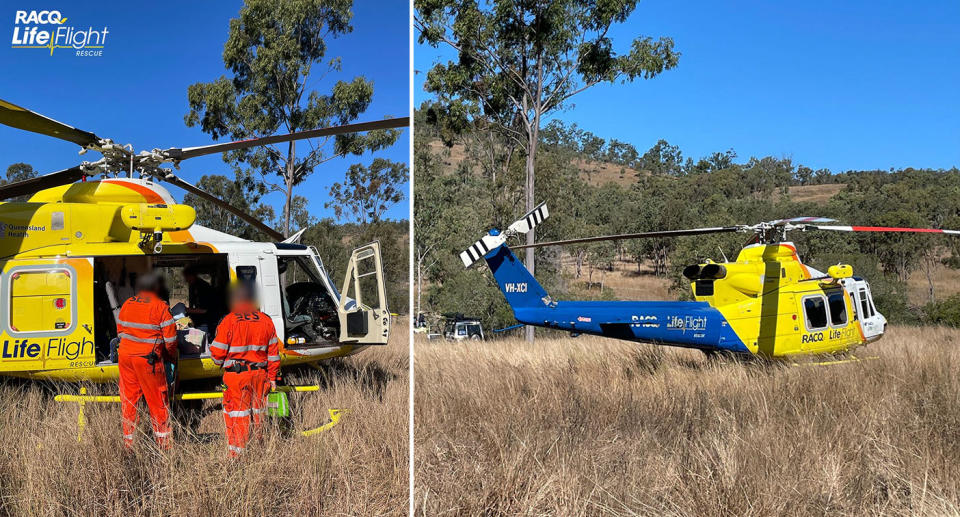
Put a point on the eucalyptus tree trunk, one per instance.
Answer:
(531, 203)
(533, 139)
(288, 183)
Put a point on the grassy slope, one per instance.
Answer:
(595, 173)
(600, 427)
(357, 468)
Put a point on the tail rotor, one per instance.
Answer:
(495, 239)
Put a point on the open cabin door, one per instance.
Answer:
(872, 323)
(364, 318)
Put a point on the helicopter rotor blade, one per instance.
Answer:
(798, 220)
(178, 154)
(22, 118)
(33, 185)
(626, 236)
(890, 229)
(253, 221)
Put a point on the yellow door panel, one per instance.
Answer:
(39, 283)
(26, 314)
(57, 312)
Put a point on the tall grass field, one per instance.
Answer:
(593, 426)
(359, 467)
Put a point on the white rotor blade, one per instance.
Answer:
(481, 248)
(530, 220)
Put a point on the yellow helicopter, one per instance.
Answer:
(765, 303)
(70, 254)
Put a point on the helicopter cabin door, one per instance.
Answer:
(871, 322)
(364, 318)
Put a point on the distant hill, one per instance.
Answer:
(598, 173)
(594, 173)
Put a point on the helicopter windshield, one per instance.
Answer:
(297, 269)
(318, 267)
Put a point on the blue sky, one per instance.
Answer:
(136, 92)
(843, 85)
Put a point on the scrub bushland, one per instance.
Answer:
(358, 467)
(593, 426)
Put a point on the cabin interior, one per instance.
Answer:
(310, 314)
(115, 278)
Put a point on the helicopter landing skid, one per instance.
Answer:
(851, 359)
(82, 399)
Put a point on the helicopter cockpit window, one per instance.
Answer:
(308, 309)
(867, 304)
(295, 270)
(815, 312)
(838, 309)
(247, 275)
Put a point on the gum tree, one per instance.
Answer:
(518, 61)
(276, 52)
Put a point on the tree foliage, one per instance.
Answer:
(19, 172)
(672, 191)
(243, 192)
(368, 192)
(276, 52)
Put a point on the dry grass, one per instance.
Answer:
(813, 193)
(357, 468)
(625, 282)
(600, 427)
(594, 173)
(946, 282)
(601, 173)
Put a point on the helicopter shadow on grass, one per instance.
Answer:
(372, 377)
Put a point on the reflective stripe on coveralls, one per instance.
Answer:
(245, 337)
(145, 327)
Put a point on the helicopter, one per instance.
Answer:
(70, 255)
(767, 303)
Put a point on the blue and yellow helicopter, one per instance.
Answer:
(766, 303)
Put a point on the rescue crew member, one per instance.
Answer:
(246, 346)
(148, 337)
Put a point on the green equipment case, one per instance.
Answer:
(278, 405)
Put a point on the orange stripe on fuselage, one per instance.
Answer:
(796, 257)
(149, 195)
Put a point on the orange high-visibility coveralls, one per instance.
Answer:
(145, 327)
(246, 346)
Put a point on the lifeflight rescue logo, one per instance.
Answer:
(47, 29)
(55, 348)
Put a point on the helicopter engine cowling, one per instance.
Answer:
(747, 283)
